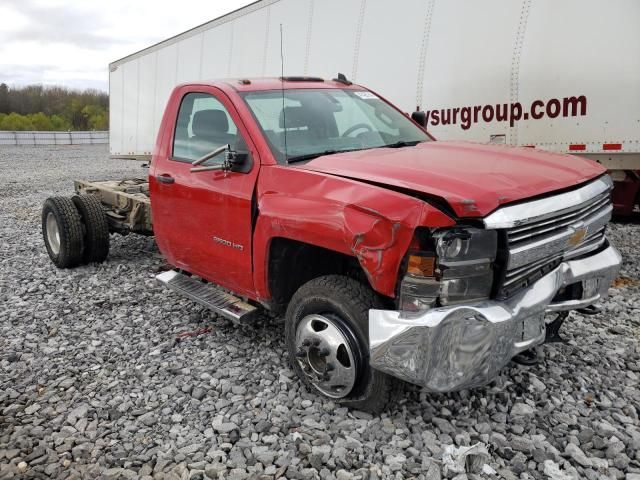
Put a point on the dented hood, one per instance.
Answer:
(474, 179)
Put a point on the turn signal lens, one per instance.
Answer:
(421, 266)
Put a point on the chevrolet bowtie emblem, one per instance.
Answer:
(577, 236)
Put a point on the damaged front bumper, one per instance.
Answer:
(463, 346)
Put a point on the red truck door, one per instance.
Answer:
(202, 221)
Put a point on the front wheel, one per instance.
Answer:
(327, 332)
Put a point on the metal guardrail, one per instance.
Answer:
(53, 138)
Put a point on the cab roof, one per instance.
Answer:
(277, 83)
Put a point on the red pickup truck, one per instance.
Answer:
(393, 255)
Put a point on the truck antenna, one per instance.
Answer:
(284, 115)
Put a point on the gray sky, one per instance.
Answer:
(65, 42)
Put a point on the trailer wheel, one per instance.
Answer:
(62, 232)
(96, 228)
(327, 325)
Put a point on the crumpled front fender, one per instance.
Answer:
(377, 242)
(370, 223)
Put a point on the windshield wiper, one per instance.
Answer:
(401, 144)
(311, 156)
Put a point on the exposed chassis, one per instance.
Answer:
(127, 204)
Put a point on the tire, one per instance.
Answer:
(333, 310)
(62, 232)
(96, 228)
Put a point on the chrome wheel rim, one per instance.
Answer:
(325, 355)
(53, 233)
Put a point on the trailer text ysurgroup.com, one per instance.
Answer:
(511, 112)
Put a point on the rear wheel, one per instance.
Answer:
(62, 232)
(327, 331)
(96, 228)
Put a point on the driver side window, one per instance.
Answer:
(203, 125)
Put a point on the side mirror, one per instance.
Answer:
(233, 161)
(240, 157)
(239, 161)
(420, 118)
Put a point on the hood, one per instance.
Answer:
(474, 179)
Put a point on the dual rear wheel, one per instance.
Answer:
(75, 230)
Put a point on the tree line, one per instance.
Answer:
(52, 108)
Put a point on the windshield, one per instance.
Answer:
(324, 121)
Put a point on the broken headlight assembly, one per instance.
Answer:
(448, 267)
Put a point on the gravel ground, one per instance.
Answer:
(105, 374)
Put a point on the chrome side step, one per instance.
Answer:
(208, 295)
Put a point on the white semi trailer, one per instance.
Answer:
(557, 75)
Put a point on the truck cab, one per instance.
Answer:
(391, 255)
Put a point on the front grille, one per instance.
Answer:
(557, 224)
(534, 247)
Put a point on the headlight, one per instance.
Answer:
(465, 259)
(458, 267)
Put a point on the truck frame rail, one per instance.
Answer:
(128, 199)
